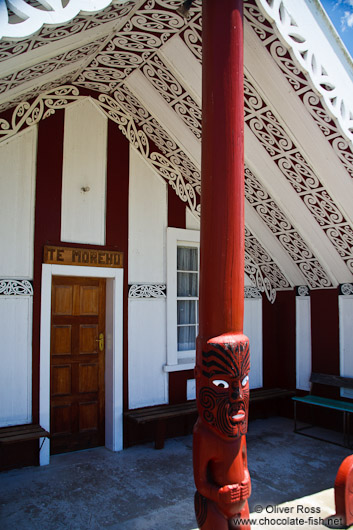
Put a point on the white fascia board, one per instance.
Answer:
(272, 246)
(288, 200)
(298, 122)
(165, 115)
(184, 66)
(307, 32)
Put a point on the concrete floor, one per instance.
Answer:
(141, 488)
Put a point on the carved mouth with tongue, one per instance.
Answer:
(239, 416)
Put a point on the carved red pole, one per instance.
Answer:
(222, 352)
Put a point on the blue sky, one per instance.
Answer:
(341, 15)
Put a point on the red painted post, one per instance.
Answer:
(344, 492)
(222, 352)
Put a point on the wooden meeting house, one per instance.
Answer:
(100, 179)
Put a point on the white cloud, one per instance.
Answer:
(347, 20)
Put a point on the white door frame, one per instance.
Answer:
(113, 351)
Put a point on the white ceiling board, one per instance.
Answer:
(298, 122)
(165, 115)
(184, 65)
(273, 247)
(282, 192)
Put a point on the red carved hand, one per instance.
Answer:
(230, 493)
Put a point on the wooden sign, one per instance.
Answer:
(82, 256)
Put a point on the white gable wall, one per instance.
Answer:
(15, 360)
(17, 186)
(17, 189)
(84, 174)
(147, 256)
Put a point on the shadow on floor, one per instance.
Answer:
(141, 488)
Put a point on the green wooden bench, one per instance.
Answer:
(160, 414)
(346, 407)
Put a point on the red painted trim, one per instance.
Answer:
(176, 210)
(117, 218)
(178, 386)
(47, 222)
(279, 341)
(222, 197)
(325, 331)
(48, 219)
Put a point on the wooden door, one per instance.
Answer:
(77, 363)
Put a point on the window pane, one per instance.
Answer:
(186, 312)
(186, 338)
(187, 284)
(187, 259)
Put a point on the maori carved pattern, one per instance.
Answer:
(27, 114)
(33, 93)
(31, 16)
(147, 291)
(231, 362)
(261, 269)
(251, 292)
(138, 40)
(303, 290)
(292, 164)
(347, 289)
(49, 34)
(51, 65)
(145, 32)
(222, 389)
(295, 77)
(192, 34)
(286, 234)
(16, 287)
(139, 126)
(174, 94)
(310, 58)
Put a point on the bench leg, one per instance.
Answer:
(159, 434)
(295, 416)
(348, 430)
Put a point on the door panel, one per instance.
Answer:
(77, 364)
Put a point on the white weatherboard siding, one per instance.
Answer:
(17, 184)
(147, 352)
(303, 342)
(147, 255)
(345, 305)
(147, 222)
(191, 221)
(84, 168)
(15, 360)
(253, 330)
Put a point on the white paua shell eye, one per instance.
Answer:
(220, 383)
(245, 380)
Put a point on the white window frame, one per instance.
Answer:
(177, 237)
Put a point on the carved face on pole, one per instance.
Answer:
(223, 387)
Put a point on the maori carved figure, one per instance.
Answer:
(344, 491)
(220, 462)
